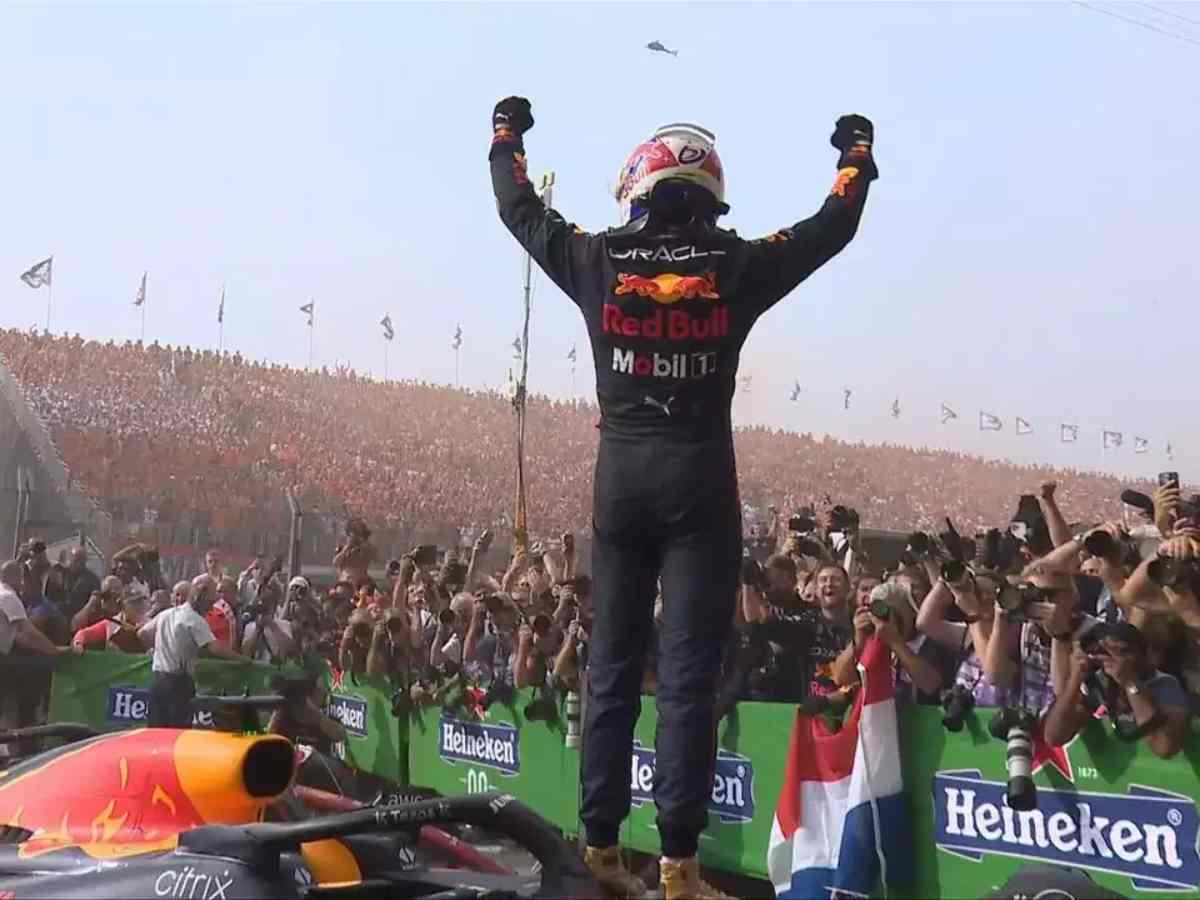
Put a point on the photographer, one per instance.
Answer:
(391, 652)
(451, 632)
(267, 637)
(891, 616)
(492, 637)
(1028, 615)
(537, 644)
(127, 566)
(973, 594)
(79, 582)
(353, 558)
(1109, 667)
(105, 603)
(356, 643)
(223, 615)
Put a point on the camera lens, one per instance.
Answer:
(447, 617)
(918, 543)
(953, 571)
(1164, 571)
(1100, 543)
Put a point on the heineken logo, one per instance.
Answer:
(351, 712)
(495, 746)
(1147, 834)
(732, 797)
(128, 705)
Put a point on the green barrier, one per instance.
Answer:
(1108, 807)
(376, 741)
(111, 691)
(456, 754)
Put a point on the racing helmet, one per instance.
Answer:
(680, 153)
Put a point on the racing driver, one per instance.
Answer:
(669, 299)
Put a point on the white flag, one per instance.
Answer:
(1068, 434)
(1023, 427)
(572, 356)
(221, 307)
(388, 332)
(39, 273)
(1170, 452)
(141, 294)
(457, 338)
(1112, 439)
(846, 398)
(516, 345)
(796, 392)
(896, 408)
(307, 308)
(988, 422)
(948, 414)
(1141, 445)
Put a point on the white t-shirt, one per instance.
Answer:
(12, 611)
(261, 652)
(179, 635)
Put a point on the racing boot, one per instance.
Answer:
(681, 880)
(607, 868)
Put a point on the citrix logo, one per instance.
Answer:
(664, 365)
(189, 884)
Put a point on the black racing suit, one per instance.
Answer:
(667, 312)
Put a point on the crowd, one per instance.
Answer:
(1050, 625)
(158, 432)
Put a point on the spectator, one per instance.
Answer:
(973, 594)
(212, 565)
(181, 593)
(223, 617)
(356, 643)
(79, 582)
(267, 637)
(355, 556)
(1111, 668)
(177, 636)
(105, 603)
(119, 632)
(15, 628)
(391, 653)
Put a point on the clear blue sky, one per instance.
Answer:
(1031, 247)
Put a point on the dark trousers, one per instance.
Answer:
(171, 700)
(662, 509)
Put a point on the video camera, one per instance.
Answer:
(542, 708)
(1166, 571)
(1014, 599)
(957, 702)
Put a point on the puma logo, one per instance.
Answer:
(665, 406)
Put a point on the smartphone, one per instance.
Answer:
(426, 555)
(1168, 479)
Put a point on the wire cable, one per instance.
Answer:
(1168, 12)
(1139, 22)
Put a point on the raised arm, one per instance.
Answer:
(782, 260)
(557, 246)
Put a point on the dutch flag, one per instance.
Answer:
(842, 824)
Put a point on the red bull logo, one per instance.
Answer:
(667, 324)
(669, 288)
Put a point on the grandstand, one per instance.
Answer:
(189, 448)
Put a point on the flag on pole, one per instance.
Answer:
(842, 820)
(516, 345)
(948, 414)
(571, 355)
(457, 338)
(307, 309)
(796, 391)
(388, 332)
(1023, 427)
(1112, 439)
(1141, 445)
(39, 273)
(846, 392)
(1068, 434)
(221, 307)
(1170, 452)
(988, 422)
(896, 408)
(141, 294)
(745, 384)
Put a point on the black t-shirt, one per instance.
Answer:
(78, 589)
(806, 644)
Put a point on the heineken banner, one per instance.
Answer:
(376, 741)
(110, 691)
(455, 753)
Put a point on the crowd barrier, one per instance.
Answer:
(1109, 807)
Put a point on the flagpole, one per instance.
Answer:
(143, 320)
(49, 296)
(385, 359)
(456, 352)
(310, 341)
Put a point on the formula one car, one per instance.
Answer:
(202, 815)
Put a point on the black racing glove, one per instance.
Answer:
(512, 115)
(854, 135)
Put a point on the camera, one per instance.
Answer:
(447, 617)
(801, 525)
(1015, 727)
(37, 547)
(541, 624)
(1014, 599)
(753, 574)
(843, 518)
(1101, 544)
(541, 708)
(1000, 550)
(918, 548)
(1165, 571)
(393, 567)
(956, 703)
(953, 571)
(499, 691)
